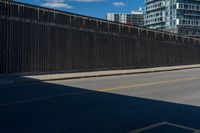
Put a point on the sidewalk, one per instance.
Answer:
(62, 76)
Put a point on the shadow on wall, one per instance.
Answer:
(51, 108)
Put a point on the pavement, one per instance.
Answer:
(162, 102)
(60, 76)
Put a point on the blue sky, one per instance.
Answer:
(95, 8)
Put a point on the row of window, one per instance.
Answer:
(153, 21)
(154, 6)
(188, 22)
(188, 6)
(153, 15)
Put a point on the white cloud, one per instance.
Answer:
(118, 4)
(57, 5)
(86, 0)
(55, 1)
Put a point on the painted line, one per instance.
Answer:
(100, 90)
(184, 127)
(148, 127)
(164, 123)
(148, 84)
(44, 98)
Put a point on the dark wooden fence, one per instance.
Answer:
(35, 40)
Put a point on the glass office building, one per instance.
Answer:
(176, 16)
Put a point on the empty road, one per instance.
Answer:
(140, 103)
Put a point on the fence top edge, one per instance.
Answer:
(97, 19)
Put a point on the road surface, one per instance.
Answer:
(145, 103)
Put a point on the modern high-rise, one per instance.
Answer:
(134, 18)
(176, 16)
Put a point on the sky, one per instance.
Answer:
(94, 8)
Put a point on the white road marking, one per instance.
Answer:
(165, 123)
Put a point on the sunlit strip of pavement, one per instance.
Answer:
(134, 86)
(148, 84)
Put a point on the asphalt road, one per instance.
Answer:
(147, 103)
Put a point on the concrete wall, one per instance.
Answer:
(34, 40)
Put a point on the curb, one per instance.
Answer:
(90, 76)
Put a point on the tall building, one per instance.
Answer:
(134, 18)
(176, 16)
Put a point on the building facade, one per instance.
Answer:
(176, 16)
(135, 18)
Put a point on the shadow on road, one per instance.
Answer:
(51, 108)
